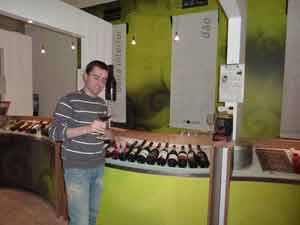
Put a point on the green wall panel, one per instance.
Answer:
(265, 50)
(149, 62)
(137, 198)
(264, 203)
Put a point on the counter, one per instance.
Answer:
(265, 197)
(137, 193)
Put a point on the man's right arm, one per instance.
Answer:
(62, 117)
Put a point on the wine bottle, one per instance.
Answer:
(109, 149)
(17, 125)
(192, 157)
(37, 126)
(182, 157)
(24, 126)
(162, 156)
(11, 123)
(124, 154)
(45, 128)
(111, 85)
(173, 157)
(201, 158)
(133, 153)
(29, 128)
(143, 154)
(116, 152)
(153, 155)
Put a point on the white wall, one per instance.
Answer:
(17, 49)
(87, 3)
(236, 12)
(96, 34)
(55, 70)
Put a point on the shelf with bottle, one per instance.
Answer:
(159, 156)
(27, 125)
(272, 160)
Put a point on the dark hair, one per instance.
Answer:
(96, 63)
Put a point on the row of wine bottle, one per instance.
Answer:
(29, 126)
(162, 154)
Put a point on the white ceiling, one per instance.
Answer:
(86, 3)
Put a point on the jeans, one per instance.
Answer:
(84, 187)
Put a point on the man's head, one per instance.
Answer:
(95, 77)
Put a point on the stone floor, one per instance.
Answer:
(19, 207)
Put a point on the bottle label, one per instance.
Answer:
(173, 156)
(183, 155)
(110, 149)
(163, 154)
(134, 151)
(144, 153)
(191, 155)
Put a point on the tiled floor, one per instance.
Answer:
(18, 207)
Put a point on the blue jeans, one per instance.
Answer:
(84, 187)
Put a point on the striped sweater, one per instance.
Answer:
(75, 110)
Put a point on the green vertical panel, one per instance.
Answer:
(137, 198)
(148, 63)
(264, 203)
(265, 50)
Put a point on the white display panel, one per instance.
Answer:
(193, 77)
(232, 82)
(290, 115)
(119, 62)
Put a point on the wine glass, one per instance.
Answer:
(210, 120)
(109, 112)
(105, 117)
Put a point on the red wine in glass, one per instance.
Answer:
(104, 118)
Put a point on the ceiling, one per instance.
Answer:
(86, 3)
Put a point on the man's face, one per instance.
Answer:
(95, 81)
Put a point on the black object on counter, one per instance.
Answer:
(163, 155)
(201, 158)
(192, 158)
(143, 154)
(173, 157)
(182, 157)
(135, 150)
(111, 85)
(124, 155)
(153, 155)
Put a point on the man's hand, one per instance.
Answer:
(97, 127)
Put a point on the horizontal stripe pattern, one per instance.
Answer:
(92, 112)
(76, 110)
(87, 102)
(68, 117)
(66, 105)
(87, 143)
(81, 152)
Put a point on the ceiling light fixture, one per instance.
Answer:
(43, 50)
(73, 47)
(176, 38)
(133, 41)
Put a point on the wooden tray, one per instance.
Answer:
(274, 160)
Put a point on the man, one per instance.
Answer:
(76, 125)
